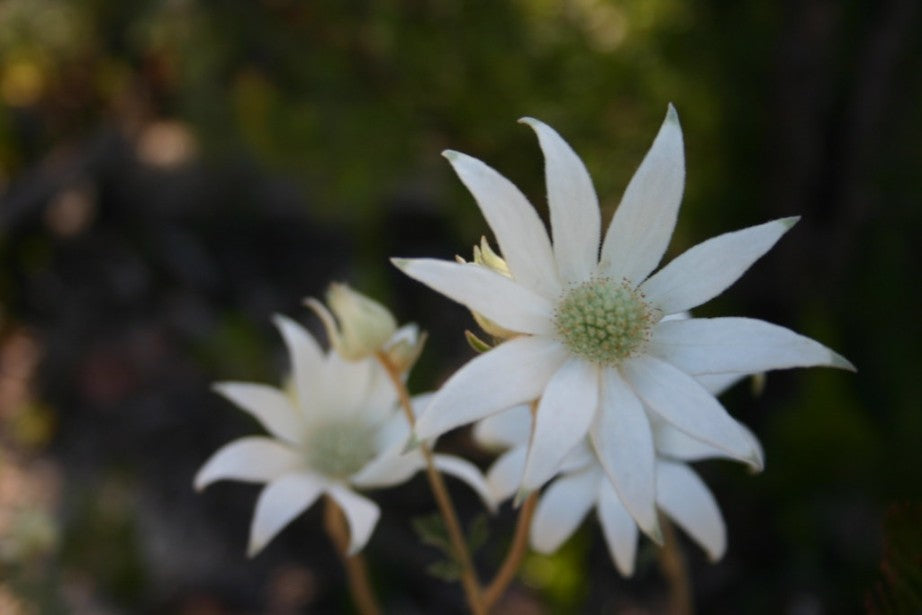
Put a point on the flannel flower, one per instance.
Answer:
(337, 430)
(582, 485)
(588, 333)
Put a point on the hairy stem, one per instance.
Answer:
(357, 573)
(514, 556)
(469, 580)
(672, 564)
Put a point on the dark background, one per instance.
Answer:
(173, 173)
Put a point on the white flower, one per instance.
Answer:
(593, 344)
(337, 430)
(583, 485)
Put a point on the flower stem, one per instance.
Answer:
(672, 564)
(357, 573)
(469, 580)
(516, 552)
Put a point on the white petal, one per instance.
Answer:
(519, 231)
(392, 435)
(717, 384)
(514, 372)
(619, 529)
(467, 472)
(687, 500)
(678, 399)
(643, 223)
(564, 416)
(359, 389)
(578, 458)
(741, 345)
(279, 503)
(574, 207)
(253, 459)
(389, 469)
(268, 405)
(623, 442)
(505, 475)
(706, 270)
(561, 509)
(505, 429)
(306, 359)
(506, 302)
(361, 513)
(670, 442)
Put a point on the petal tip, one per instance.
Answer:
(520, 496)
(789, 221)
(400, 263)
(671, 114)
(450, 155)
(530, 121)
(656, 534)
(838, 361)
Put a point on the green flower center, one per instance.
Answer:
(603, 321)
(339, 449)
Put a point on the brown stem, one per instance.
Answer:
(357, 573)
(469, 580)
(514, 556)
(672, 563)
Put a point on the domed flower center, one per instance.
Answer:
(603, 321)
(339, 449)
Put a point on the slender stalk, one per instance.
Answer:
(357, 573)
(513, 561)
(672, 563)
(469, 580)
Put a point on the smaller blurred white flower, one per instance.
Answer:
(359, 326)
(583, 485)
(338, 429)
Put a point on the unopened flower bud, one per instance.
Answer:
(358, 326)
(404, 348)
(486, 257)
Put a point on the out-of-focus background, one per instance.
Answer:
(172, 173)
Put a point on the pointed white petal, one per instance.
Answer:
(623, 442)
(361, 513)
(643, 223)
(741, 345)
(675, 444)
(706, 270)
(578, 458)
(514, 372)
(519, 231)
(574, 207)
(717, 384)
(678, 399)
(306, 359)
(687, 500)
(467, 472)
(619, 529)
(266, 404)
(505, 475)
(254, 459)
(505, 429)
(561, 509)
(279, 503)
(564, 416)
(506, 302)
(389, 469)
